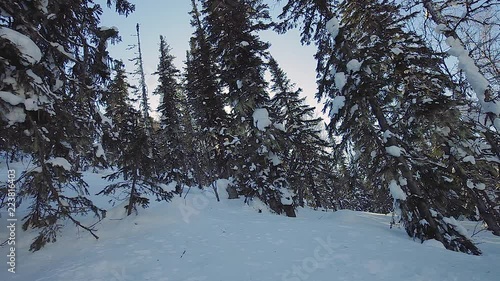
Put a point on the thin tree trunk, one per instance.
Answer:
(131, 201)
(300, 189)
(214, 186)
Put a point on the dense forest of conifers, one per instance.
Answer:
(411, 89)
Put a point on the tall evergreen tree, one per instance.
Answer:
(305, 157)
(170, 143)
(116, 102)
(251, 149)
(207, 104)
(473, 42)
(53, 69)
(394, 107)
(133, 146)
(388, 99)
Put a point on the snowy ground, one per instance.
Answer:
(197, 239)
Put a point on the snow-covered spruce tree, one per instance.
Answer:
(128, 134)
(306, 158)
(471, 43)
(52, 71)
(115, 102)
(251, 149)
(389, 99)
(470, 159)
(168, 137)
(206, 104)
(477, 31)
(189, 140)
(474, 42)
(311, 17)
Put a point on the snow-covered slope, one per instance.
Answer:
(198, 238)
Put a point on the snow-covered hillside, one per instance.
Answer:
(198, 238)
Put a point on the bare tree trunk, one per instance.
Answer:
(300, 190)
(289, 211)
(214, 186)
(131, 200)
(233, 193)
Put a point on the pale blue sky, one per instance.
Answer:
(171, 19)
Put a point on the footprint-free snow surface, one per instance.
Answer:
(198, 238)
